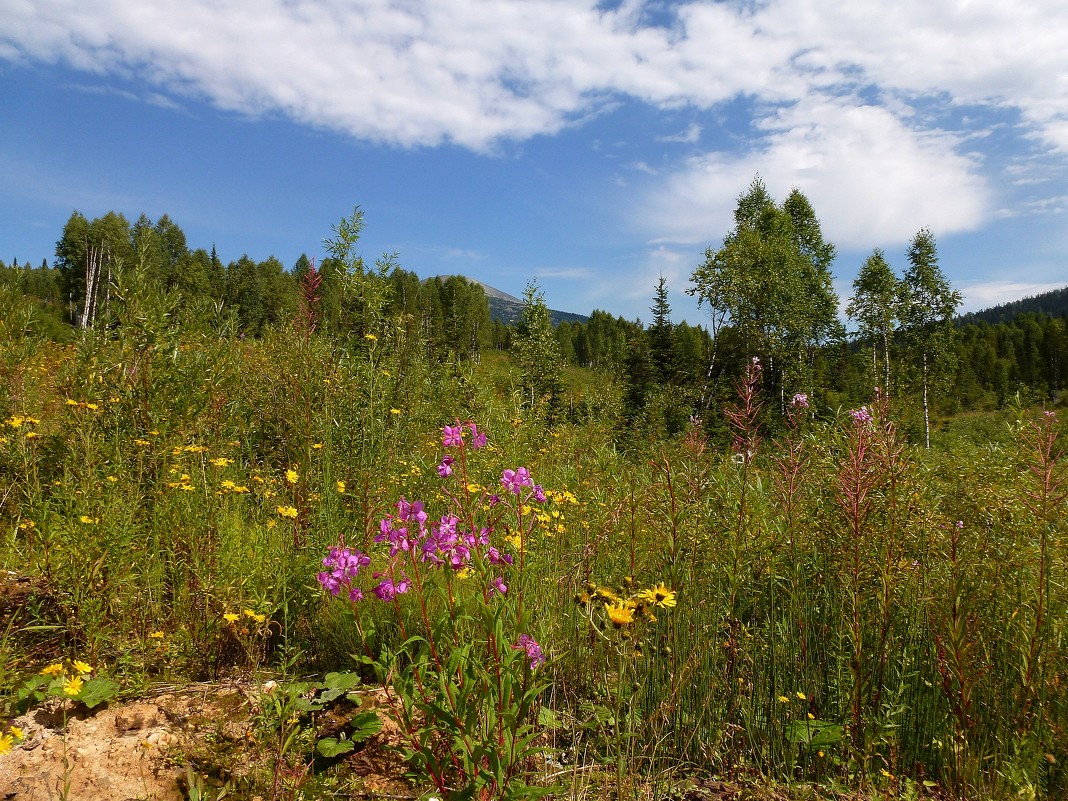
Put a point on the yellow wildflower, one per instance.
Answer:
(156, 635)
(254, 616)
(291, 476)
(54, 670)
(7, 742)
(341, 487)
(370, 337)
(318, 446)
(72, 402)
(221, 461)
(240, 488)
(659, 596)
(73, 686)
(288, 511)
(802, 696)
(32, 435)
(17, 733)
(89, 520)
(81, 667)
(91, 406)
(394, 411)
(230, 617)
(228, 485)
(621, 614)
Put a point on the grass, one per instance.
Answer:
(835, 627)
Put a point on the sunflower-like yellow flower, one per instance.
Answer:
(659, 596)
(291, 476)
(288, 511)
(621, 614)
(231, 617)
(54, 670)
(73, 686)
(6, 743)
(81, 667)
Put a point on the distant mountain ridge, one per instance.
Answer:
(508, 308)
(1053, 303)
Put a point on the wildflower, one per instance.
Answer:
(72, 402)
(89, 520)
(800, 401)
(388, 589)
(533, 650)
(478, 438)
(16, 732)
(73, 686)
(452, 436)
(341, 487)
(221, 461)
(342, 567)
(445, 468)
(228, 485)
(231, 617)
(55, 670)
(7, 742)
(91, 407)
(802, 696)
(156, 635)
(861, 416)
(254, 616)
(318, 446)
(659, 596)
(395, 411)
(498, 585)
(291, 476)
(783, 699)
(287, 511)
(370, 337)
(620, 614)
(515, 480)
(32, 435)
(82, 667)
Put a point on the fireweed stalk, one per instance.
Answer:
(462, 684)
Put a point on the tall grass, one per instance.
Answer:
(849, 608)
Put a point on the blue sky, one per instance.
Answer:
(590, 146)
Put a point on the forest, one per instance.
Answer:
(778, 555)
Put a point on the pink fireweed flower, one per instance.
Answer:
(498, 585)
(445, 468)
(478, 438)
(453, 436)
(861, 416)
(533, 650)
(342, 567)
(515, 480)
(800, 401)
(388, 588)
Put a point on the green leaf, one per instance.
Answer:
(365, 724)
(332, 747)
(97, 691)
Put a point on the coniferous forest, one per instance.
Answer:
(779, 554)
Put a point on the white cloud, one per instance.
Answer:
(688, 137)
(993, 293)
(872, 180)
(474, 72)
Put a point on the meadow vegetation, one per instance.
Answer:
(564, 591)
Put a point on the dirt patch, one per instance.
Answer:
(146, 748)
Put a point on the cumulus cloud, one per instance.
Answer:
(839, 85)
(872, 179)
(475, 72)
